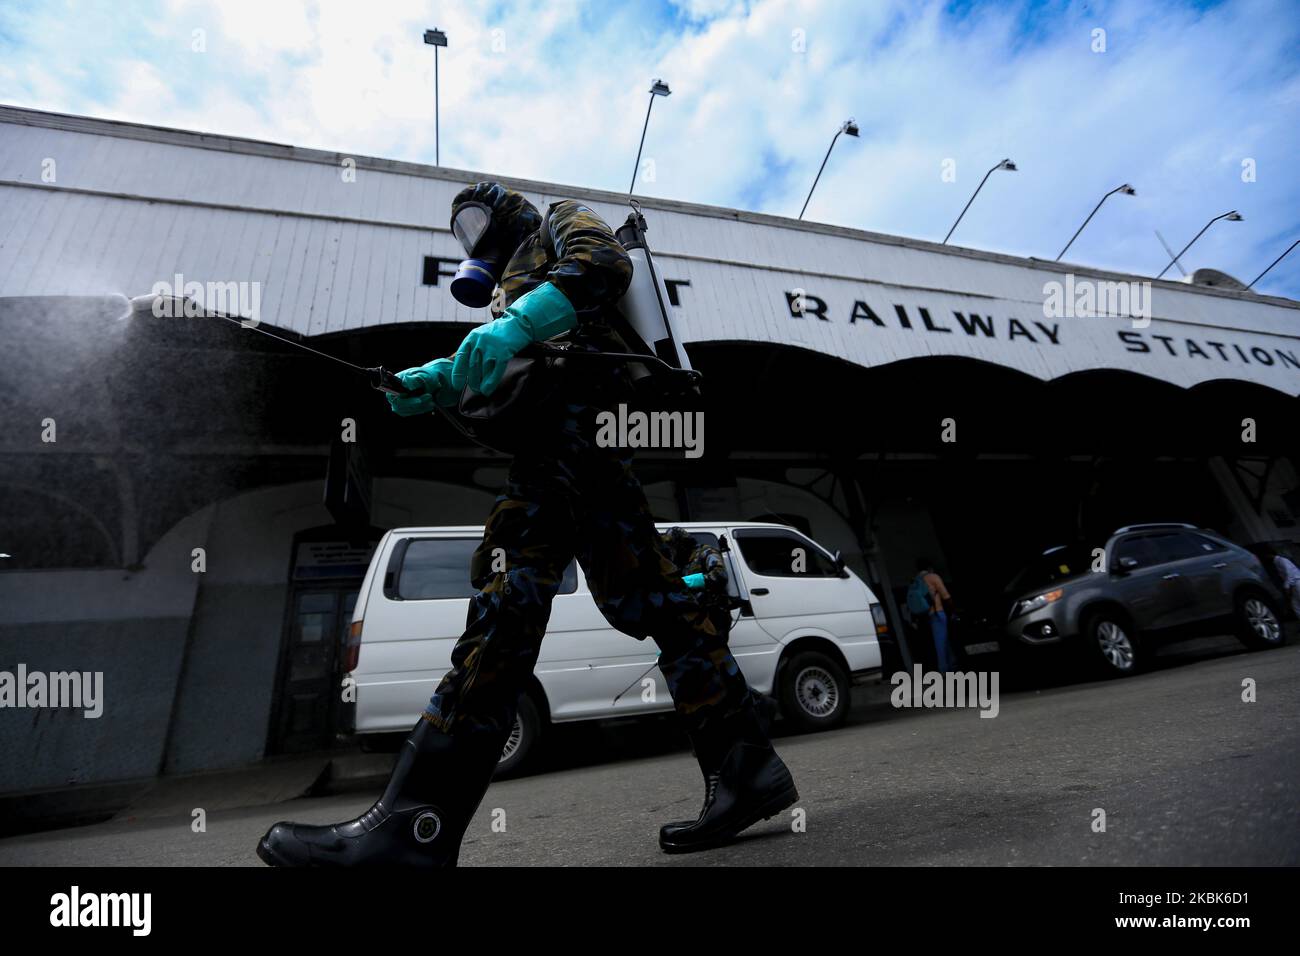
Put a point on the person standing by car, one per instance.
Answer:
(1290, 575)
(928, 596)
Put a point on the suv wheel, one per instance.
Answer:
(521, 745)
(1115, 646)
(814, 691)
(1258, 624)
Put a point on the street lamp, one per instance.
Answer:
(1126, 189)
(1006, 164)
(1233, 216)
(657, 88)
(436, 38)
(849, 127)
(1274, 262)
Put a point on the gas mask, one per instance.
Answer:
(479, 273)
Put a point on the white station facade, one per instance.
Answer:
(893, 397)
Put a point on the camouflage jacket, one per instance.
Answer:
(707, 560)
(590, 267)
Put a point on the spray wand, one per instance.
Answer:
(378, 376)
(381, 378)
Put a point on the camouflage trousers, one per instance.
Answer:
(568, 498)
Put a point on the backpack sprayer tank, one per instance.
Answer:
(645, 304)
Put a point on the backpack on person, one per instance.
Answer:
(919, 599)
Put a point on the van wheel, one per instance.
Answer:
(1259, 626)
(814, 691)
(1113, 643)
(521, 745)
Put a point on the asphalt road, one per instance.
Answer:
(1187, 773)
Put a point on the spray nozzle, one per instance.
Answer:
(138, 305)
(143, 303)
(164, 306)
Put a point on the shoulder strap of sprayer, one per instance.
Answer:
(621, 325)
(548, 241)
(687, 377)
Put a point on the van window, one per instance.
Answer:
(772, 554)
(433, 568)
(701, 537)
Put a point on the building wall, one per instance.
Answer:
(189, 659)
(129, 624)
(226, 688)
(1259, 516)
(330, 251)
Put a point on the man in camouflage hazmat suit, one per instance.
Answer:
(565, 497)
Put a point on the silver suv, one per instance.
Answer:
(1150, 583)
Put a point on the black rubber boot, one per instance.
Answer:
(744, 782)
(435, 788)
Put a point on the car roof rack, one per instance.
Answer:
(1155, 525)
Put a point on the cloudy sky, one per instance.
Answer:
(1196, 104)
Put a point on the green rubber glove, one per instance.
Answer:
(435, 378)
(480, 362)
(694, 581)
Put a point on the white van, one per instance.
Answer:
(801, 636)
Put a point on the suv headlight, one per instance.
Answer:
(1029, 605)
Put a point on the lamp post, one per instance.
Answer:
(657, 88)
(1006, 164)
(1274, 262)
(436, 38)
(1233, 216)
(849, 127)
(1126, 189)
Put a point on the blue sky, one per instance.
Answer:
(1181, 96)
